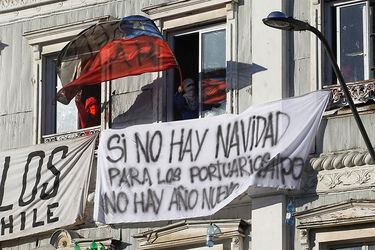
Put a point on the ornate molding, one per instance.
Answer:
(339, 172)
(339, 179)
(14, 5)
(345, 213)
(71, 135)
(70, 239)
(304, 238)
(346, 179)
(187, 233)
(333, 216)
(177, 7)
(237, 243)
(361, 92)
(20, 10)
(341, 160)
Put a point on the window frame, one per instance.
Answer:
(49, 41)
(362, 245)
(171, 80)
(342, 223)
(365, 35)
(332, 33)
(50, 122)
(178, 15)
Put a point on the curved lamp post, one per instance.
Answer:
(279, 20)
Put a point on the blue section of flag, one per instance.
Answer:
(133, 26)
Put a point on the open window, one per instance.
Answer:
(203, 36)
(201, 55)
(57, 118)
(52, 120)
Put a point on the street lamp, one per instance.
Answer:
(279, 20)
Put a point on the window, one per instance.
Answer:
(203, 36)
(339, 226)
(354, 247)
(347, 248)
(201, 54)
(350, 29)
(49, 116)
(58, 118)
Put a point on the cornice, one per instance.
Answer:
(16, 5)
(13, 11)
(345, 171)
(341, 160)
(345, 213)
(190, 232)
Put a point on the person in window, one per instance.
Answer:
(89, 112)
(186, 100)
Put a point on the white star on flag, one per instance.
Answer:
(137, 25)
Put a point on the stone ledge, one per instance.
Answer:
(339, 172)
(16, 5)
(341, 160)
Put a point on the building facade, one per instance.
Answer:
(228, 40)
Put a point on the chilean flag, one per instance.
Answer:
(135, 46)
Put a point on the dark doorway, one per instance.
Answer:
(186, 48)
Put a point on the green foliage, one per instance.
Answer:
(93, 246)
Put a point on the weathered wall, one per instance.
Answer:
(299, 52)
(16, 85)
(245, 67)
(16, 75)
(134, 99)
(17, 100)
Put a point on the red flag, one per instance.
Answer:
(213, 91)
(120, 58)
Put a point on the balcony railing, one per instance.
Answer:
(71, 135)
(361, 92)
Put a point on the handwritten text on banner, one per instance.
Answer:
(193, 168)
(44, 187)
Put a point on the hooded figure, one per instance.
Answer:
(89, 114)
(186, 100)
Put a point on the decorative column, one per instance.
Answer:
(37, 93)
(304, 238)
(237, 243)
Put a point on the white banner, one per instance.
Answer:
(44, 187)
(192, 168)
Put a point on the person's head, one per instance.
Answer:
(188, 85)
(190, 94)
(92, 106)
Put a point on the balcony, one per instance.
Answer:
(70, 135)
(362, 92)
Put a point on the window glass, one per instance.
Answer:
(351, 47)
(347, 248)
(57, 117)
(66, 115)
(213, 82)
